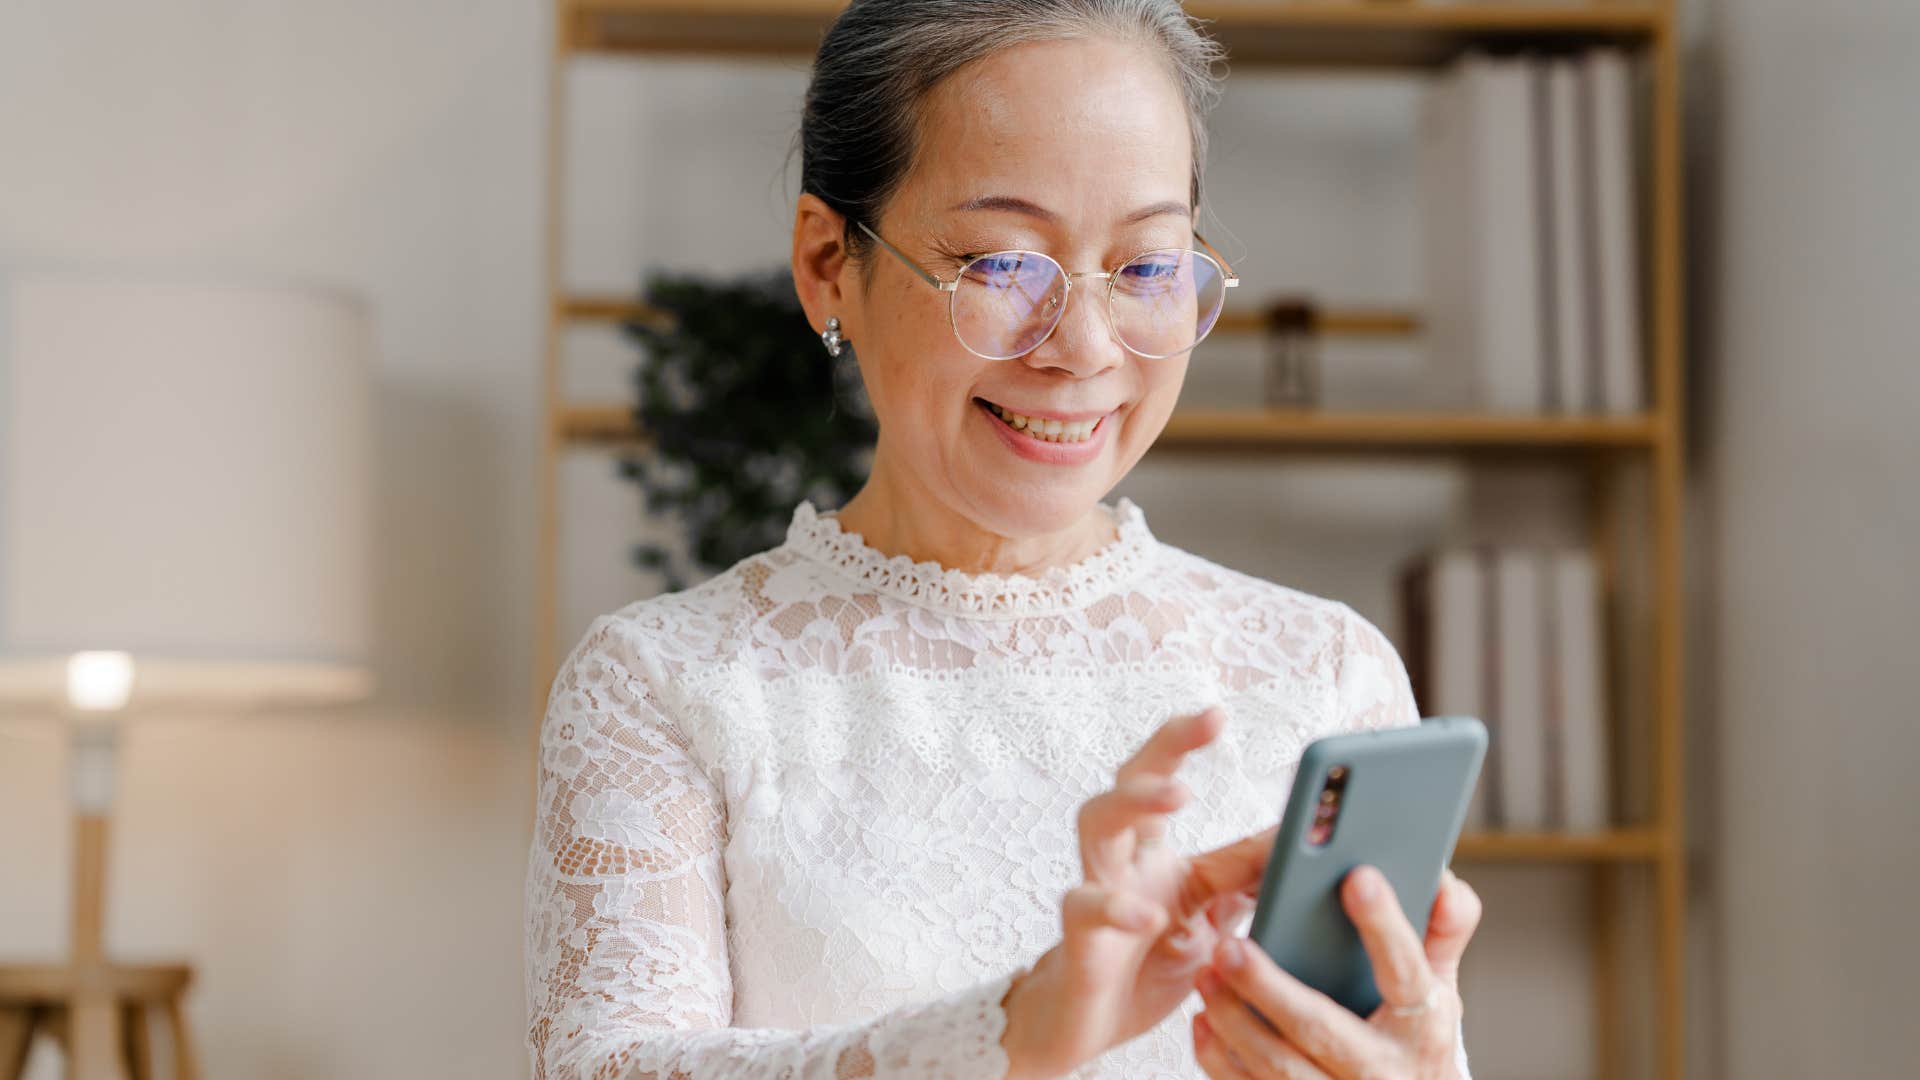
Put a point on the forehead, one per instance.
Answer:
(1081, 126)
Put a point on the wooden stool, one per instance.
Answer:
(98, 1016)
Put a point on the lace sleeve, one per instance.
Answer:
(1375, 693)
(1374, 690)
(627, 970)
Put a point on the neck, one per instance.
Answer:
(897, 517)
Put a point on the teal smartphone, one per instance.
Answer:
(1394, 799)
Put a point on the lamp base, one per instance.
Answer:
(95, 1008)
(98, 1014)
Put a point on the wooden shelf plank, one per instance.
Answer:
(1334, 321)
(1256, 429)
(1616, 845)
(1344, 322)
(1336, 33)
(597, 424)
(1250, 428)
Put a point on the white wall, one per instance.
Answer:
(1810, 386)
(347, 885)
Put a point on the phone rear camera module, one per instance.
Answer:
(1326, 808)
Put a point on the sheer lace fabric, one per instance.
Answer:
(810, 817)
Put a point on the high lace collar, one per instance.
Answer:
(819, 536)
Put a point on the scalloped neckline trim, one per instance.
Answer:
(819, 536)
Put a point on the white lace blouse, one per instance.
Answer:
(809, 818)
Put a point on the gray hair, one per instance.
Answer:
(880, 59)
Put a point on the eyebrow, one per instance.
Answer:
(1018, 205)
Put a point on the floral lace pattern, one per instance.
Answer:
(811, 817)
(820, 536)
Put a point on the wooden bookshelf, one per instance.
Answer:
(1619, 845)
(1313, 34)
(1258, 429)
(1338, 322)
(1316, 33)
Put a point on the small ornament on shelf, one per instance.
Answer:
(1293, 354)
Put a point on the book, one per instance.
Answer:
(1519, 688)
(1618, 332)
(1567, 364)
(1444, 631)
(1452, 377)
(1577, 743)
(1515, 636)
(1483, 258)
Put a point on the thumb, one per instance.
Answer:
(1234, 868)
(1455, 915)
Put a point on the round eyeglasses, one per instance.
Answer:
(1004, 304)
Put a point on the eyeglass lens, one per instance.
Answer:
(1163, 302)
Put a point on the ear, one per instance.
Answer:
(823, 273)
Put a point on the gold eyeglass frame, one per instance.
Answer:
(952, 288)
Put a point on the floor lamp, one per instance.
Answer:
(184, 530)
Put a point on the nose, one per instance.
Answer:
(1083, 343)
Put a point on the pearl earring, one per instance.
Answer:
(832, 337)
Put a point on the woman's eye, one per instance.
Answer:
(997, 267)
(1152, 271)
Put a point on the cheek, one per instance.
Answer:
(917, 374)
(1160, 384)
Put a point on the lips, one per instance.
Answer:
(1047, 427)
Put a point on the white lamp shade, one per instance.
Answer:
(184, 477)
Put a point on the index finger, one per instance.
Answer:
(1163, 751)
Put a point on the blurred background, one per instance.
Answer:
(336, 847)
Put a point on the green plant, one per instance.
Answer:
(743, 415)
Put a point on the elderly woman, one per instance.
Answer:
(913, 793)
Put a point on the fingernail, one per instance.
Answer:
(1232, 954)
(1365, 886)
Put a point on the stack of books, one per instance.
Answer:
(1515, 636)
(1533, 271)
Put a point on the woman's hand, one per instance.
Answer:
(1143, 922)
(1306, 1034)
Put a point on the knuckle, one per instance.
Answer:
(1313, 1035)
(1406, 970)
(1274, 1056)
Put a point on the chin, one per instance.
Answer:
(1038, 510)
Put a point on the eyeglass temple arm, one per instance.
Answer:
(943, 286)
(1233, 279)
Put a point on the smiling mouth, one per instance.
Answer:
(1053, 431)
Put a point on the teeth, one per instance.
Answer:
(1046, 430)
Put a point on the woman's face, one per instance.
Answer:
(1083, 148)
